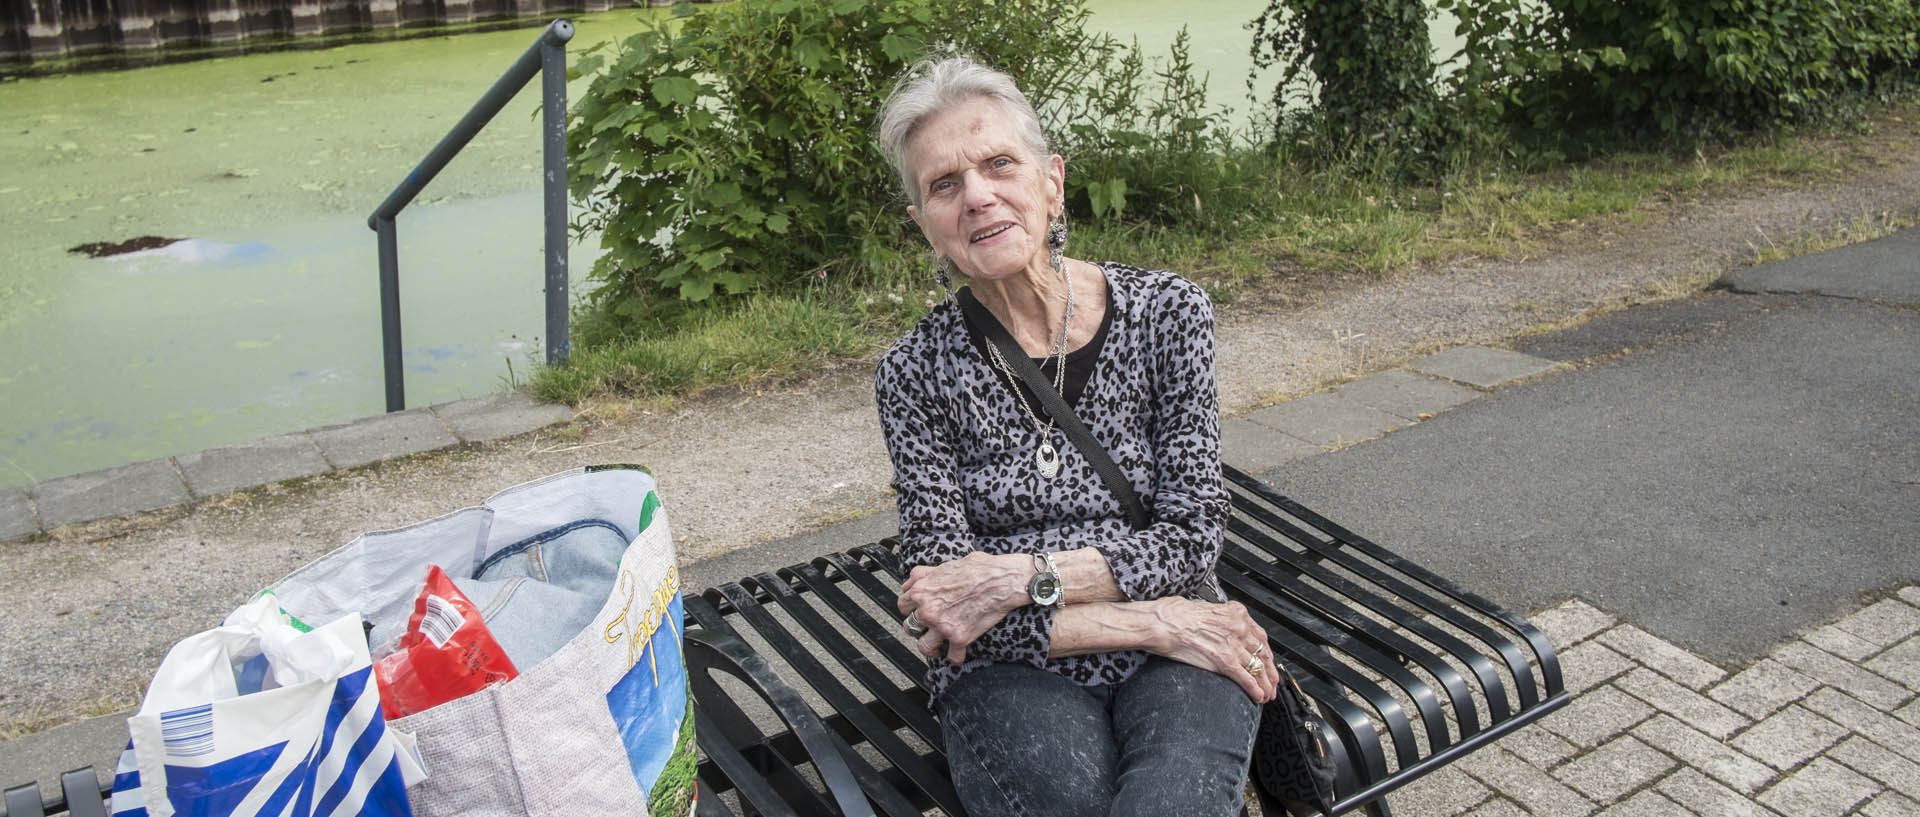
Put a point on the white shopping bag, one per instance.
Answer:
(575, 575)
(257, 717)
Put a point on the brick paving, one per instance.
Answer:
(1829, 724)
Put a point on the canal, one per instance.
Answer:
(266, 320)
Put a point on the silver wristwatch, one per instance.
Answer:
(1045, 588)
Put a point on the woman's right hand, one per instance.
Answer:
(1219, 638)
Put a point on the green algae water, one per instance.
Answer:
(265, 320)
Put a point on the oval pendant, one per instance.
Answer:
(1048, 459)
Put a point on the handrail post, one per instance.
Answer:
(548, 57)
(553, 123)
(390, 313)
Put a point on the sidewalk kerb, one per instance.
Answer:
(164, 482)
(1484, 367)
(127, 489)
(1327, 419)
(17, 517)
(382, 437)
(1406, 394)
(494, 416)
(230, 468)
(1256, 449)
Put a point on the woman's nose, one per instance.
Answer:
(978, 194)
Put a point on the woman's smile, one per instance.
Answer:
(990, 232)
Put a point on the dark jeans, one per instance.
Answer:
(1172, 740)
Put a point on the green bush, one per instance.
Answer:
(1151, 150)
(1371, 63)
(730, 151)
(1580, 74)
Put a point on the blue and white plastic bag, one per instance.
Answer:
(257, 717)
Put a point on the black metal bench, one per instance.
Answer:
(1410, 670)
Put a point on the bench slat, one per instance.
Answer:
(1464, 710)
(85, 795)
(880, 636)
(1521, 666)
(822, 682)
(24, 801)
(913, 712)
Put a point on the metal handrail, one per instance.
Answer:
(548, 58)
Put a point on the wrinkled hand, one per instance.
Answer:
(961, 599)
(1219, 638)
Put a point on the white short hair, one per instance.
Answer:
(934, 85)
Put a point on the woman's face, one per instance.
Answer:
(985, 199)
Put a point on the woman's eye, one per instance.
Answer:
(1002, 162)
(942, 186)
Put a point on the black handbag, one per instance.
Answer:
(1291, 760)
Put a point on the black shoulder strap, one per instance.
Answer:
(989, 326)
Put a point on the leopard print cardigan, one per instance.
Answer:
(965, 480)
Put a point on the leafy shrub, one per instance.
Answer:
(1371, 63)
(1150, 150)
(1581, 73)
(731, 150)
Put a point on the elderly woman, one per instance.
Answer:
(1071, 671)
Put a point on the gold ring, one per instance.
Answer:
(1254, 665)
(913, 625)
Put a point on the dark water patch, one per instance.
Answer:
(14, 67)
(103, 249)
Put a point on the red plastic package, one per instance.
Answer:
(446, 653)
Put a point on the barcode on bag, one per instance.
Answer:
(188, 732)
(440, 621)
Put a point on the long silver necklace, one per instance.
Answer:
(1045, 457)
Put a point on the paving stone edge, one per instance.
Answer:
(102, 494)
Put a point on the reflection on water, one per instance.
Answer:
(266, 320)
(188, 253)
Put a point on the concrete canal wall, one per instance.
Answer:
(38, 31)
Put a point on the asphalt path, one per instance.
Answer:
(1723, 471)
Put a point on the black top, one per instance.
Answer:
(1079, 364)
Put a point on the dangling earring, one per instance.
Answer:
(940, 274)
(1056, 241)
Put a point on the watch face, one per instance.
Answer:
(1044, 589)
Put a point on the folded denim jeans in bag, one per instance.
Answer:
(574, 575)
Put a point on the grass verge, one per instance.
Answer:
(1298, 223)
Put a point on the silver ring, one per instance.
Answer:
(1260, 649)
(913, 625)
(1254, 665)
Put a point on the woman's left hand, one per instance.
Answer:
(961, 599)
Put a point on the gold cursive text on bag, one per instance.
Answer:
(638, 633)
